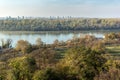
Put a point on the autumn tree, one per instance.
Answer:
(46, 74)
(55, 43)
(84, 62)
(23, 46)
(21, 68)
(45, 57)
(110, 36)
(39, 42)
(112, 74)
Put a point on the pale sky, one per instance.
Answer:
(46, 8)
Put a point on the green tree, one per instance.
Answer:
(47, 74)
(84, 62)
(21, 68)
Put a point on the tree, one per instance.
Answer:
(7, 43)
(55, 43)
(84, 62)
(112, 74)
(22, 68)
(23, 46)
(39, 42)
(47, 74)
(111, 36)
(2, 77)
(44, 57)
(58, 24)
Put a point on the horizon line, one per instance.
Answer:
(52, 17)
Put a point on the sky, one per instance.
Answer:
(74, 8)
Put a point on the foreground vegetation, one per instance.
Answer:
(58, 24)
(86, 58)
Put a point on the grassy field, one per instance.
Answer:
(113, 50)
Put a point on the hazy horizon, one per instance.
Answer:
(47, 8)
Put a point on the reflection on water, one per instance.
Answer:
(48, 37)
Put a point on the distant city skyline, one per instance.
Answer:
(47, 8)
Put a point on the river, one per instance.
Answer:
(48, 37)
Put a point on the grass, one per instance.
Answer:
(60, 52)
(113, 50)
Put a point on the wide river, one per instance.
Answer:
(48, 37)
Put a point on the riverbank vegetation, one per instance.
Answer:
(58, 24)
(86, 58)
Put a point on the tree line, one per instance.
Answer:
(58, 24)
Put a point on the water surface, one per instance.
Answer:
(48, 37)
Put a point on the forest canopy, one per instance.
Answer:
(58, 24)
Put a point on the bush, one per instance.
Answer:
(47, 74)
